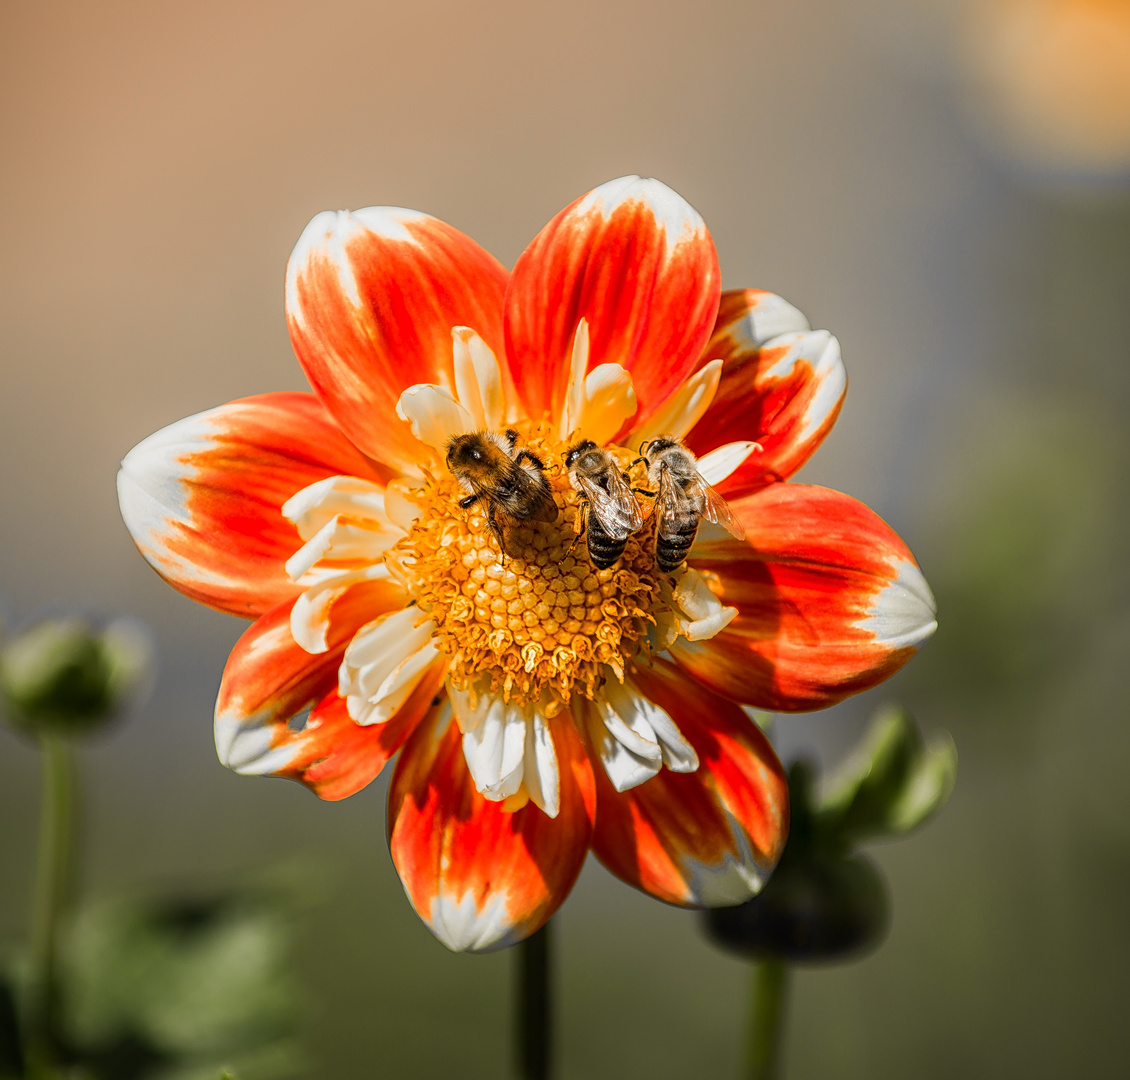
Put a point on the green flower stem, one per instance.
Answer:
(768, 987)
(534, 1028)
(53, 874)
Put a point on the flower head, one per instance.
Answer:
(415, 551)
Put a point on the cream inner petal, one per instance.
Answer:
(344, 522)
(434, 414)
(478, 403)
(310, 616)
(691, 611)
(508, 749)
(715, 466)
(683, 409)
(309, 509)
(384, 663)
(635, 737)
(597, 402)
(478, 379)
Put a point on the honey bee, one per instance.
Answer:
(504, 479)
(682, 499)
(611, 513)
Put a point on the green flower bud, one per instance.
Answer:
(892, 784)
(68, 677)
(816, 908)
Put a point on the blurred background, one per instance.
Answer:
(943, 185)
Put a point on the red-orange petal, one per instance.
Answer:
(371, 298)
(202, 498)
(830, 601)
(482, 877)
(634, 259)
(270, 680)
(710, 838)
(782, 386)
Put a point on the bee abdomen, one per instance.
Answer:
(671, 549)
(603, 550)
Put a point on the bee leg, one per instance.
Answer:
(533, 459)
(511, 437)
(496, 528)
(642, 491)
(468, 502)
(581, 531)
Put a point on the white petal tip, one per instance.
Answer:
(465, 927)
(902, 615)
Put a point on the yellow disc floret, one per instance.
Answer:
(538, 619)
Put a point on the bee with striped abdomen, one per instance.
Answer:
(682, 499)
(611, 512)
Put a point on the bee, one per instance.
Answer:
(504, 479)
(682, 499)
(611, 513)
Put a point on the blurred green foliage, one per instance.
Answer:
(175, 988)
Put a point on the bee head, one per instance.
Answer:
(656, 447)
(576, 451)
(466, 451)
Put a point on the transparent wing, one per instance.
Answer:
(672, 505)
(714, 508)
(616, 509)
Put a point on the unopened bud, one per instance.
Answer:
(815, 909)
(69, 677)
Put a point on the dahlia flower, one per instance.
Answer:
(540, 706)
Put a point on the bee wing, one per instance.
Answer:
(616, 509)
(714, 508)
(536, 486)
(671, 504)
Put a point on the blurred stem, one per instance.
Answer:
(53, 873)
(534, 1032)
(769, 984)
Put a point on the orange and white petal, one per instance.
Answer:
(782, 385)
(830, 601)
(384, 662)
(203, 497)
(270, 680)
(707, 838)
(481, 876)
(633, 736)
(336, 757)
(636, 261)
(371, 299)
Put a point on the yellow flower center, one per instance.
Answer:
(539, 618)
